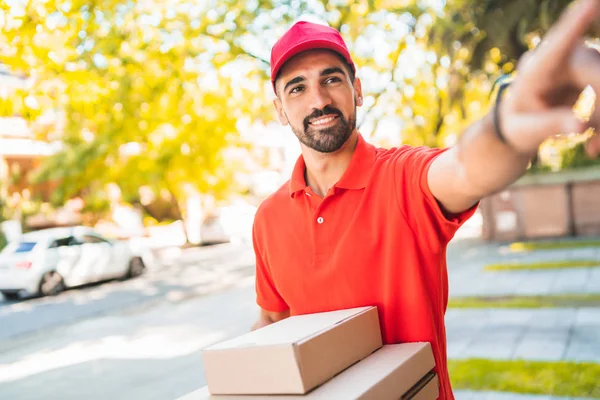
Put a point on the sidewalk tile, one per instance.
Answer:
(540, 349)
(490, 395)
(570, 280)
(588, 317)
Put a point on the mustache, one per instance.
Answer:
(327, 110)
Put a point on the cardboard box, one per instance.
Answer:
(429, 391)
(294, 355)
(398, 371)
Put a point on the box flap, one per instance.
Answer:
(290, 330)
(327, 354)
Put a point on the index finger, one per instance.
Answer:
(568, 31)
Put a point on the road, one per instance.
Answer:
(137, 339)
(176, 275)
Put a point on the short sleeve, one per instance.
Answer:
(421, 210)
(267, 296)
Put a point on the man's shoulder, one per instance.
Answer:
(274, 202)
(405, 153)
(402, 149)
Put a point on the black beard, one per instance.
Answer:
(326, 140)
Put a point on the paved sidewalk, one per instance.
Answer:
(473, 395)
(552, 334)
(473, 281)
(467, 277)
(548, 334)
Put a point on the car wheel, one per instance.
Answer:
(52, 284)
(11, 295)
(136, 267)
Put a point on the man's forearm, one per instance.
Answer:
(479, 165)
(487, 163)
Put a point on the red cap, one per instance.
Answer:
(303, 36)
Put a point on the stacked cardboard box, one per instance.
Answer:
(332, 355)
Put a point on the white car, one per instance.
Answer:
(47, 261)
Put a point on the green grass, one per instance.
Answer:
(542, 265)
(535, 377)
(519, 247)
(546, 301)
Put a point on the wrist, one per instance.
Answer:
(502, 127)
(498, 112)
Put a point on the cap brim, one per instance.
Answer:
(311, 44)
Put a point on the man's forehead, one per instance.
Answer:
(317, 60)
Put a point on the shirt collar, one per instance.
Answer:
(356, 176)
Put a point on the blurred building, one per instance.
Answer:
(21, 153)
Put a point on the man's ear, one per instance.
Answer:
(280, 113)
(358, 91)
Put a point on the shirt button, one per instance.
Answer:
(320, 220)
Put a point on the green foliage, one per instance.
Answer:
(144, 97)
(96, 204)
(490, 37)
(536, 377)
(549, 301)
(508, 26)
(3, 241)
(542, 265)
(518, 247)
(151, 95)
(575, 157)
(539, 168)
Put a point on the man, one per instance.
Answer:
(357, 225)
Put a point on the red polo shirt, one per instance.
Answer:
(378, 237)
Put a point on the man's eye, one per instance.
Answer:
(297, 89)
(333, 79)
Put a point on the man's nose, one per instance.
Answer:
(320, 98)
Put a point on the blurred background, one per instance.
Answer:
(137, 139)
